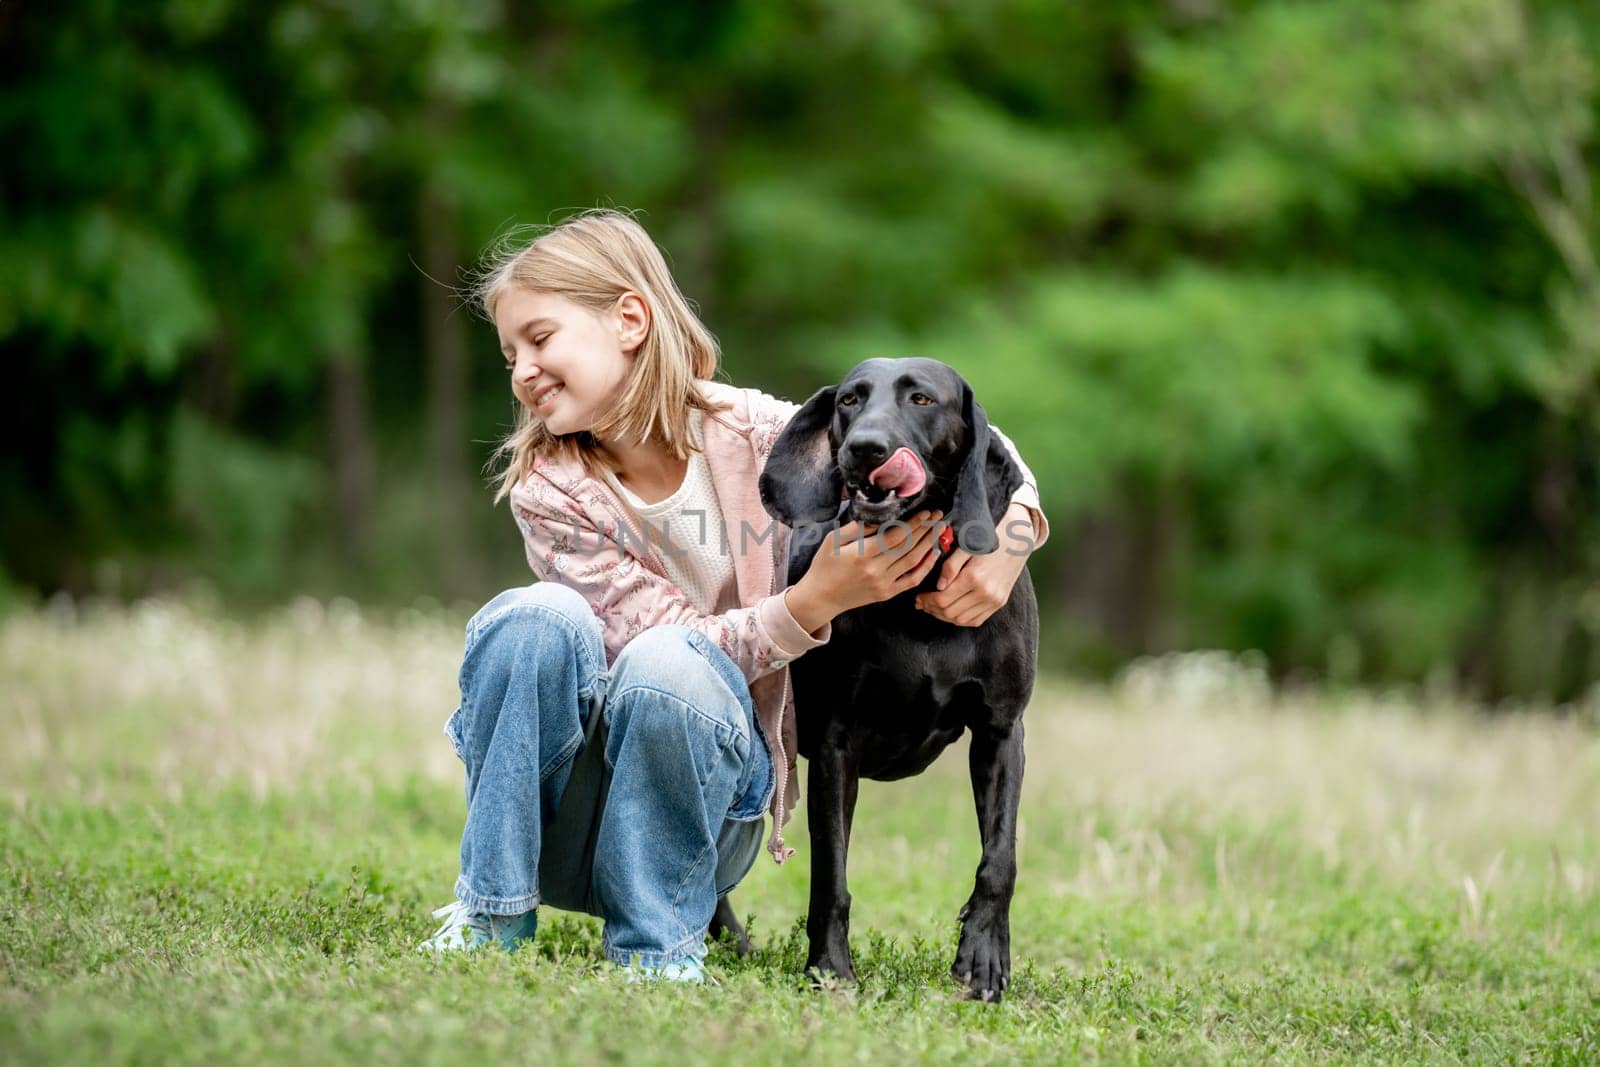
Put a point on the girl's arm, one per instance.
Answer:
(1027, 493)
(564, 545)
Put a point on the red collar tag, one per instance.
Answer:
(947, 537)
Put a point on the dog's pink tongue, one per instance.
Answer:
(901, 472)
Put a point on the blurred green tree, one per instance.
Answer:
(1294, 308)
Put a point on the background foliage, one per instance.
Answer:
(1294, 308)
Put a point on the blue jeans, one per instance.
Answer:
(635, 793)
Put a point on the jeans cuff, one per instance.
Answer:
(654, 959)
(494, 905)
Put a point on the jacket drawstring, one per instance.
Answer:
(775, 845)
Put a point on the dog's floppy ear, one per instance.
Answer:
(984, 482)
(801, 481)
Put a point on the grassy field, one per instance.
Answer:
(222, 840)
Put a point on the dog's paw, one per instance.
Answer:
(983, 962)
(985, 996)
(830, 972)
(987, 985)
(986, 982)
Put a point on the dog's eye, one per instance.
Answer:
(921, 399)
(848, 400)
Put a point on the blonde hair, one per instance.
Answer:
(592, 259)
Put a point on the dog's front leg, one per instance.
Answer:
(833, 781)
(983, 955)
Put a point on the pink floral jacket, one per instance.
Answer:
(577, 531)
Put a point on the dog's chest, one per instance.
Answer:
(911, 659)
(897, 700)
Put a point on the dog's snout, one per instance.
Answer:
(866, 451)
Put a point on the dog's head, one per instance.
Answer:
(897, 436)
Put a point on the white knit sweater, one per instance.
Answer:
(686, 531)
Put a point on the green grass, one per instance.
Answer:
(221, 842)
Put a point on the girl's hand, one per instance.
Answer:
(858, 565)
(972, 588)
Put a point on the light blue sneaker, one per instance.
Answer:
(466, 930)
(687, 968)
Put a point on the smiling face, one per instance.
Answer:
(567, 363)
(897, 435)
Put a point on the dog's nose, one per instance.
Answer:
(867, 453)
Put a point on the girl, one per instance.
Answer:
(626, 722)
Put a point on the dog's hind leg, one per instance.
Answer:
(983, 955)
(723, 920)
(833, 782)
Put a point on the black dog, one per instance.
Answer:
(894, 686)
